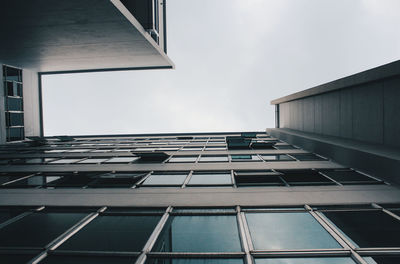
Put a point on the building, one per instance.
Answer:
(306, 192)
(71, 36)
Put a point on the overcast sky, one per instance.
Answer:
(232, 58)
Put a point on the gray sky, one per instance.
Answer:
(232, 58)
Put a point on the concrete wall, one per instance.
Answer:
(31, 103)
(366, 112)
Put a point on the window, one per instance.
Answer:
(280, 157)
(309, 260)
(304, 177)
(17, 258)
(367, 228)
(38, 229)
(258, 178)
(116, 180)
(67, 259)
(244, 157)
(34, 181)
(64, 161)
(183, 159)
(191, 148)
(72, 180)
(122, 160)
(113, 233)
(383, 259)
(349, 177)
(199, 179)
(152, 157)
(283, 146)
(209, 158)
(307, 157)
(169, 178)
(14, 109)
(194, 261)
(212, 233)
(288, 230)
(11, 176)
(92, 161)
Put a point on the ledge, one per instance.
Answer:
(378, 73)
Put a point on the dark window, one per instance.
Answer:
(14, 104)
(310, 260)
(37, 229)
(194, 261)
(113, 233)
(258, 178)
(168, 178)
(304, 177)
(14, 119)
(284, 230)
(65, 259)
(349, 177)
(72, 180)
(276, 158)
(16, 258)
(368, 228)
(11, 176)
(116, 180)
(34, 181)
(9, 212)
(383, 260)
(307, 157)
(284, 147)
(199, 234)
(183, 159)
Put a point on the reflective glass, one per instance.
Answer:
(121, 159)
(165, 179)
(288, 230)
(37, 229)
(368, 228)
(210, 178)
(312, 260)
(15, 258)
(34, 181)
(183, 159)
(92, 161)
(113, 233)
(383, 259)
(307, 157)
(348, 176)
(64, 161)
(194, 261)
(199, 234)
(213, 158)
(7, 177)
(60, 259)
(276, 158)
(245, 158)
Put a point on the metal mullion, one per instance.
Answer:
(247, 231)
(391, 214)
(243, 237)
(153, 237)
(326, 176)
(233, 179)
(328, 228)
(66, 235)
(15, 218)
(188, 177)
(381, 251)
(376, 249)
(142, 180)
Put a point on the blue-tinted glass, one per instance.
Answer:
(316, 260)
(289, 230)
(113, 233)
(194, 261)
(200, 234)
(37, 229)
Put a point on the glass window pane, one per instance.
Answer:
(122, 159)
(245, 158)
(34, 181)
(37, 229)
(307, 157)
(64, 161)
(15, 258)
(194, 261)
(210, 178)
(113, 233)
(183, 159)
(276, 158)
(199, 234)
(305, 177)
(213, 159)
(60, 259)
(7, 213)
(165, 179)
(348, 176)
(383, 259)
(368, 228)
(294, 230)
(92, 161)
(11, 176)
(312, 260)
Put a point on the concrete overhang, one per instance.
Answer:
(75, 36)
